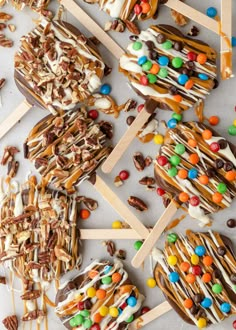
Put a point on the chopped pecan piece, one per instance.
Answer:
(3, 280)
(2, 81)
(137, 203)
(8, 154)
(5, 42)
(194, 31)
(120, 254)
(117, 181)
(2, 26)
(107, 129)
(147, 181)
(111, 249)
(11, 27)
(132, 27)
(34, 315)
(5, 17)
(10, 322)
(31, 295)
(148, 161)
(130, 105)
(90, 203)
(116, 25)
(139, 161)
(12, 168)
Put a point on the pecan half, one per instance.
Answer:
(5, 17)
(111, 249)
(132, 27)
(3, 280)
(34, 315)
(147, 181)
(137, 203)
(139, 161)
(10, 322)
(31, 295)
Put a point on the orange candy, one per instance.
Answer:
(230, 176)
(190, 278)
(184, 266)
(188, 303)
(116, 277)
(207, 260)
(101, 294)
(178, 98)
(204, 179)
(93, 273)
(183, 197)
(214, 120)
(201, 58)
(84, 214)
(206, 278)
(155, 68)
(183, 174)
(207, 134)
(189, 84)
(192, 143)
(145, 7)
(194, 159)
(217, 197)
(97, 318)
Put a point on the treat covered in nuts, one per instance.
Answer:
(100, 296)
(57, 67)
(36, 5)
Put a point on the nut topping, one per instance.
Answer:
(10, 322)
(147, 181)
(139, 161)
(137, 203)
(31, 295)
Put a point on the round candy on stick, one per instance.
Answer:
(197, 167)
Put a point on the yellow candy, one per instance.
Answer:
(117, 224)
(113, 311)
(151, 283)
(201, 323)
(91, 292)
(234, 122)
(158, 139)
(172, 260)
(103, 311)
(195, 259)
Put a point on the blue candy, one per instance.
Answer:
(107, 269)
(211, 12)
(206, 303)
(182, 79)
(120, 310)
(131, 301)
(172, 123)
(192, 174)
(225, 307)
(142, 60)
(173, 277)
(105, 89)
(163, 60)
(200, 250)
(233, 41)
(203, 76)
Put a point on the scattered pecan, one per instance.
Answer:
(5, 42)
(111, 249)
(120, 254)
(130, 105)
(150, 188)
(2, 81)
(179, 19)
(31, 295)
(139, 161)
(117, 181)
(137, 203)
(148, 161)
(2, 26)
(10, 322)
(5, 17)
(194, 31)
(11, 27)
(90, 203)
(34, 315)
(8, 154)
(166, 200)
(106, 128)
(3, 280)
(116, 25)
(13, 167)
(132, 27)
(147, 181)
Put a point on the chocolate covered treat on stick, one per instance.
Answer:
(197, 167)
(196, 274)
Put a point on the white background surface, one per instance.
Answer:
(221, 102)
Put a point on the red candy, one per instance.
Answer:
(194, 201)
(145, 310)
(192, 56)
(124, 305)
(95, 327)
(214, 146)
(234, 324)
(137, 9)
(140, 107)
(124, 175)
(196, 270)
(93, 114)
(144, 81)
(80, 306)
(162, 160)
(160, 191)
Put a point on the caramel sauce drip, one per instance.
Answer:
(174, 223)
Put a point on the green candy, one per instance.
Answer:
(106, 280)
(130, 319)
(73, 322)
(234, 288)
(175, 160)
(217, 288)
(172, 237)
(152, 78)
(137, 245)
(137, 45)
(177, 116)
(177, 62)
(222, 188)
(79, 319)
(232, 130)
(163, 73)
(167, 45)
(85, 313)
(172, 171)
(147, 66)
(180, 149)
(87, 324)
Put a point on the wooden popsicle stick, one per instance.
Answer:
(154, 235)
(14, 117)
(194, 14)
(120, 207)
(150, 316)
(109, 233)
(93, 27)
(125, 141)
(226, 36)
